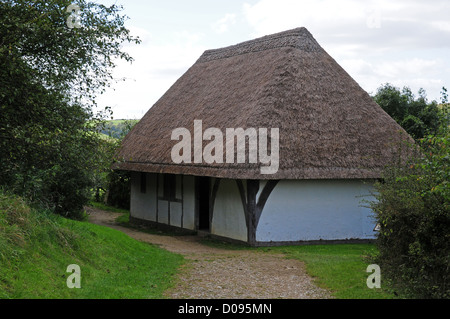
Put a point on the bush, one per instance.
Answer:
(119, 189)
(412, 209)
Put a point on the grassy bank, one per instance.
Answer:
(36, 247)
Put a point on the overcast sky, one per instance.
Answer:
(402, 42)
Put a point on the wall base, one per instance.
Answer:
(147, 224)
(313, 242)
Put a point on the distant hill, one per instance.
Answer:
(117, 128)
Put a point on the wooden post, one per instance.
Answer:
(252, 190)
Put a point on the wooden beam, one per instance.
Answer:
(212, 199)
(252, 208)
(241, 189)
(267, 190)
(252, 190)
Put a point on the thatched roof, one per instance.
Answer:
(329, 127)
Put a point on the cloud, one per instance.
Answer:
(402, 42)
(381, 24)
(224, 23)
(376, 41)
(156, 67)
(406, 68)
(415, 73)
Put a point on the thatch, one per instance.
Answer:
(330, 128)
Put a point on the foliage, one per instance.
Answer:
(50, 76)
(119, 189)
(117, 128)
(113, 186)
(37, 246)
(415, 114)
(413, 209)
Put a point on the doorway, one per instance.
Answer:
(203, 192)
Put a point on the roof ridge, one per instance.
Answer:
(299, 38)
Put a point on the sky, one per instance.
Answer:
(401, 42)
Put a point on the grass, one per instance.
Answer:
(339, 268)
(124, 220)
(107, 208)
(36, 247)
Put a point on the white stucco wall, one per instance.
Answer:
(228, 217)
(316, 209)
(143, 205)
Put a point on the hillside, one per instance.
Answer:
(117, 128)
(36, 247)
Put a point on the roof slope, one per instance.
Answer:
(329, 127)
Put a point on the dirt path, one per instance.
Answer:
(215, 273)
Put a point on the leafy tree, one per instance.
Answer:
(50, 76)
(113, 186)
(412, 207)
(415, 114)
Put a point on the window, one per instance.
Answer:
(143, 183)
(169, 192)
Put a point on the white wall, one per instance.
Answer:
(316, 209)
(229, 217)
(143, 205)
(294, 211)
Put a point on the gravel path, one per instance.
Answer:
(216, 273)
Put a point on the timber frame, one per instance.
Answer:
(248, 190)
(253, 208)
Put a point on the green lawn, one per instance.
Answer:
(36, 248)
(340, 268)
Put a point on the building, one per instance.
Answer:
(333, 142)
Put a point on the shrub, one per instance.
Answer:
(412, 209)
(119, 188)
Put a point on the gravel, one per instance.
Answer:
(218, 273)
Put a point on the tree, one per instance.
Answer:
(416, 115)
(412, 207)
(114, 186)
(50, 76)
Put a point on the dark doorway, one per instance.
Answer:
(203, 193)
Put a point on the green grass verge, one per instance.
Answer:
(36, 247)
(339, 268)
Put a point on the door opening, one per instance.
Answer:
(203, 193)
